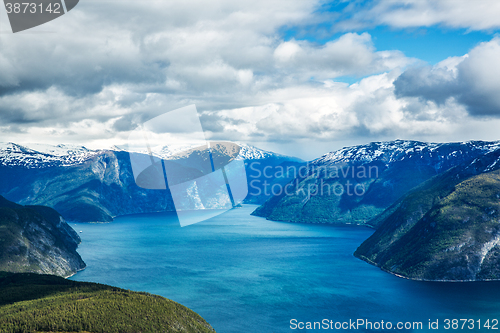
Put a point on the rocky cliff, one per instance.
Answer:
(37, 239)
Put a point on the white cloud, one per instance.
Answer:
(112, 56)
(351, 54)
(113, 64)
(472, 81)
(473, 15)
(330, 112)
(482, 70)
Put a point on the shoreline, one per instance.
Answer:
(73, 274)
(422, 280)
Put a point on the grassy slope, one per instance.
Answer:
(44, 303)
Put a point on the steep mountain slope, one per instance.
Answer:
(96, 188)
(94, 185)
(36, 239)
(448, 228)
(354, 184)
(43, 303)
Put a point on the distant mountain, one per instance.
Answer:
(44, 303)
(93, 187)
(43, 156)
(36, 239)
(97, 185)
(354, 184)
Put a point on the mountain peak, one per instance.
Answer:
(42, 155)
(37, 155)
(390, 151)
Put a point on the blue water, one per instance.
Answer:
(246, 274)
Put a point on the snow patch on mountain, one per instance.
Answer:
(489, 162)
(41, 156)
(37, 155)
(247, 152)
(392, 151)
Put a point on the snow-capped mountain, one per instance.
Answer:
(95, 185)
(43, 156)
(393, 151)
(247, 152)
(445, 229)
(35, 155)
(380, 171)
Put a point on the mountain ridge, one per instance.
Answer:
(362, 154)
(93, 186)
(446, 229)
(44, 155)
(401, 165)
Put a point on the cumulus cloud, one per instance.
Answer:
(351, 54)
(126, 62)
(368, 109)
(432, 83)
(473, 15)
(472, 80)
(93, 75)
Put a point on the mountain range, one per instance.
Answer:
(354, 184)
(435, 206)
(96, 185)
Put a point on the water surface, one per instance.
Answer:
(247, 274)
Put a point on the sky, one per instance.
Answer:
(298, 77)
